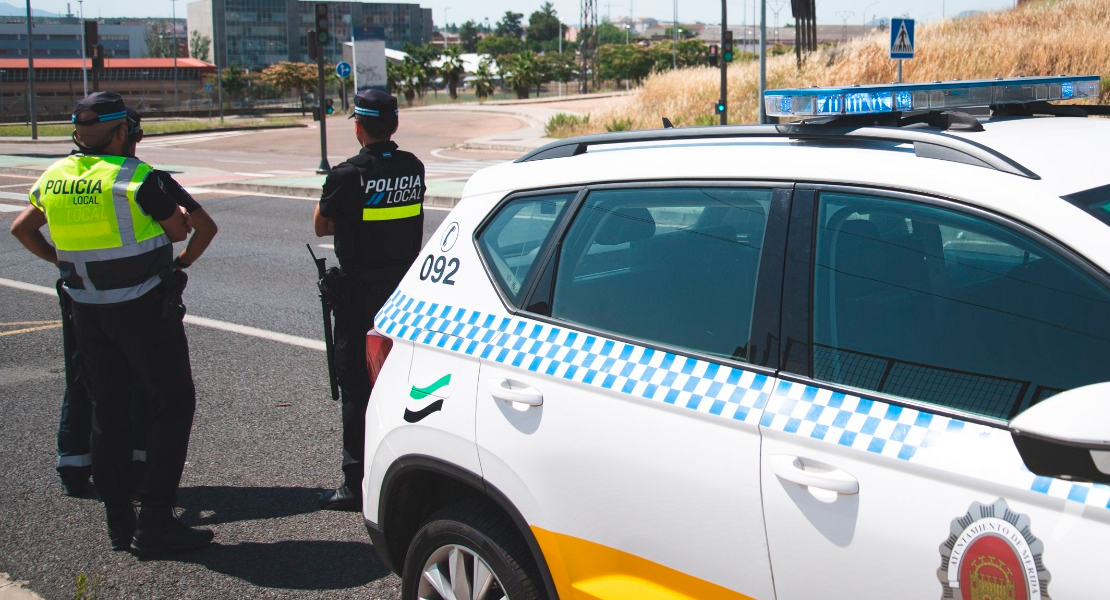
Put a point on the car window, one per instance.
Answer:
(674, 266)
(935, 305)
(512, 240)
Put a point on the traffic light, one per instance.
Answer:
(719, 108)
(91, 37)
(322, 34)
(328, 106)
(313, 45)
(98, 56)
(727, 49)
(713, 55)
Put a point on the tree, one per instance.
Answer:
(159, 40)
(468, 36)
(509, 25)
(498, 46)
(423, 56)
(691, 53)
(559, 67)
(483, 79)
(543, 25)
(234, 80)
(199, 45)
(290, 76)
(452, 70)
(521, 71)
(608, 33)
(623, 62)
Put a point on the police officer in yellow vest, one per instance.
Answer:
(113, 226)
(373, 204)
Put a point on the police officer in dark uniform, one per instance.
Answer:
(373, 205)
(113, 227)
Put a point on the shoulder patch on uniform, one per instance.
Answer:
(359, 160)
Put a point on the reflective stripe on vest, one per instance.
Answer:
(109, 251)
(390, 213)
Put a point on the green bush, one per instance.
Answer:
(563, 124)
(619, 125)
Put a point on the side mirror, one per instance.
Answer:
(1067, 436)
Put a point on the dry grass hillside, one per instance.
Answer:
(1049, 37)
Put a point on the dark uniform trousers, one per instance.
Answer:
(354, 317)
(120, 345)
(75, 422)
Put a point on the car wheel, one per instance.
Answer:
(468, 552)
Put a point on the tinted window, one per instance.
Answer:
(512, 240)
(674, 266)
(927, 303)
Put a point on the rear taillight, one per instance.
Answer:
(377, 350)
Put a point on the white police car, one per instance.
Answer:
(859, 356)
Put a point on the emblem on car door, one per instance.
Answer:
(413, 416)
(991, 554)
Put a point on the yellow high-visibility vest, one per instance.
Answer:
(109, 250)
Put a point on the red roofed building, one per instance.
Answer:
(144, 83)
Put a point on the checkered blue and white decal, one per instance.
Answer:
(889, 430)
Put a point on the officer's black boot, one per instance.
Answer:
(121, 525)
(159, 531)
(341, 498)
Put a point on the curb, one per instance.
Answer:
(53, 139)
(310, 193)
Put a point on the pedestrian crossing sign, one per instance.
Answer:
(901, 38)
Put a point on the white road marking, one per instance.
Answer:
(265, 334)
(11, 208)
(14, 185)
(177, 140)
(252, 174)
(13, 196)
(326, 246)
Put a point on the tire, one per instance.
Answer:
(472, 536)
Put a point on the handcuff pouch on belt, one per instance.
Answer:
(334, 287)
(173, 286)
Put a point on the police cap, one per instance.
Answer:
(107, 106)
(375, 104)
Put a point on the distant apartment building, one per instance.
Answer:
(257, 33)
(60, 37)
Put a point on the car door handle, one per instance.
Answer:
(813, 474)
(512, 391)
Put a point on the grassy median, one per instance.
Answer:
(155, 127)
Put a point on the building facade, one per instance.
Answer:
(147, 84)
(60, 37)
(258, 33)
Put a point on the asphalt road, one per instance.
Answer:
(265, 439)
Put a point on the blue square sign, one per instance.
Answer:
(901, 38)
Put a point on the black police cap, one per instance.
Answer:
(108, 106)
(375, 104)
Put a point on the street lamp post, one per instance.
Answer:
(674, 28)
(446, 40)
(560, 56)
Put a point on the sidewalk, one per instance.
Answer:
(534, 114)
(14, 590)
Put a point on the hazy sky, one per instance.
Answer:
(706, 11)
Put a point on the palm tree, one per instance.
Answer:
(452, 69)
(523, 72)
(483, 79)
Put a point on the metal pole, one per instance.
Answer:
(31, 78)
(173, 23)
(762, 59)
(560, 56)
(219, 72)
(324, 167)
(84, 72)
(724, 63)
(674, 28)
(899, 70)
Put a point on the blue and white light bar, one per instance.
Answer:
(940, 95)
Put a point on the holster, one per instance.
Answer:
(334, 287)
(173, 286)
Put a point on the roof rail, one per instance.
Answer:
(927, 144)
